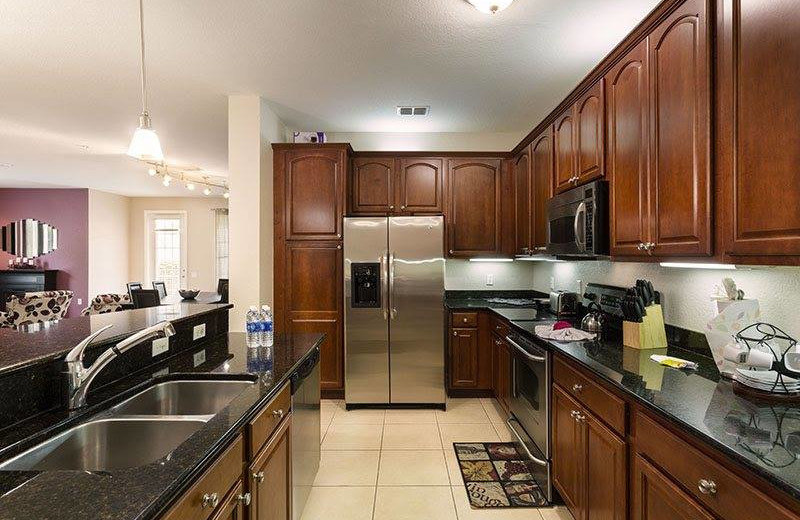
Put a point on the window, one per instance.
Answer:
(221, 242)
(166, 240)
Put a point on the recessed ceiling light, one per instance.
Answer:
(84, 147)
(6, 165)
(490, 6)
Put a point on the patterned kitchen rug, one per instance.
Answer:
(496, 475)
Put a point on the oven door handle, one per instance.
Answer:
(536, 460)
(537, 359)
(578, 218)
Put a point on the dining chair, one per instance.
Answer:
(222, 290)
(143, 298)
(36, 307)
(105, 303)
(133, 286)
(161, 287)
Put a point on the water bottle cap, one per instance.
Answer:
(253, 308)
(265, 307)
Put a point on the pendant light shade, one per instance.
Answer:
(490, 6)
(145, 144)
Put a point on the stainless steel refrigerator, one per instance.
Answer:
(394, 313)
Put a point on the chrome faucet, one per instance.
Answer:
(79, 377)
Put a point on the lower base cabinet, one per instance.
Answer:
(233, 507)
(271, 477)
(656, 497)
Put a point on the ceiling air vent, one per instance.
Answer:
(413, 111)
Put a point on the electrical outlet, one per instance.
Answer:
(160, 346)
(552, 283)
(489, 279)
(579, 287)
(199, 358)
(199, 331)
(80, 301)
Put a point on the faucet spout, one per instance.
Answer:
(79, 378)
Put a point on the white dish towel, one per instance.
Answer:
(570, 334)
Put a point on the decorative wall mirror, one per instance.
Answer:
(29, 238)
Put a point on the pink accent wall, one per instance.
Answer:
(68, 211)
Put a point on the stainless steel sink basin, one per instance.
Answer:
(108, 444)
(199, 397)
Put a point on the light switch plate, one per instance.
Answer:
(199, 331)
(199, 358)
(160, 346)
(489, 279)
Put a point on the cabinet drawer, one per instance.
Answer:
(464, 319)
(260, 428)
(500, 327)
(216, 481)
(602, 403)
(733, 498)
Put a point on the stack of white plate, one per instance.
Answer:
(765, 380)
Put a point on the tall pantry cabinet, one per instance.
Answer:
(310, 200)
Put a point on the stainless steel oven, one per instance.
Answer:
(530, 405)
(577, 221)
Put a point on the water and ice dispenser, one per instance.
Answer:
(365, 286)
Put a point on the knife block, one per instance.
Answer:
(649, 333)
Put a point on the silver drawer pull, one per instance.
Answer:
(210, 500)
(258, 477)
(577, 388)
(244, 499)
(278, 413)
(707, 487)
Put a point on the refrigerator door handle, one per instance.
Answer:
(384, 286)
(392, 310)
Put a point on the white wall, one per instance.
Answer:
(109, 243)
(463, 275)
(430, 141)
(686, 291)
(200, 254)
(252, 128)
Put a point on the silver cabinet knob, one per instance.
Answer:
(258, 477)
(244, 499)
(339, 246)
(707, 487)
(338, 235)
(210, 500)
(455, 333)
(402, 207)
(391, 206)
(465, 320)
(577, 388)
(642, 246)
(581, 418)
(278, 413)
(541, 248)
(574, 414)
(451, 251)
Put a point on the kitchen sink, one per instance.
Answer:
(197, 397)
(108, 444)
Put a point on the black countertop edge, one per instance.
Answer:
(201, 310)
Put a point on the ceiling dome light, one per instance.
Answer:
(167, 180)
(490, 6)
(227, 194)
(207, 191)
(190, 186)
(152, 172)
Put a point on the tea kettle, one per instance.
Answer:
(595, 320)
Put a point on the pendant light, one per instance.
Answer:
(490, 6)
(145, 144)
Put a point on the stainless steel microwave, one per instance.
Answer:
(577, 221)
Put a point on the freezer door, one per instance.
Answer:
(416, 326)
(366, 325)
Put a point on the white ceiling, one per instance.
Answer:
(70, 73)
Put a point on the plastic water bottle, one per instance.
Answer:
(267, 337)
(253, 323)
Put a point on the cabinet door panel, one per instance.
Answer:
(474, 216)
(759, 114)
(271, 477)
(314, 194)
(313, 291)
(233, 507)
(373, 185)
(680, 174)
(522, 195)
(420, 186)
(590, 134)
(565, 160)
(656, 497)
(464, 358)
(606, 473)
(627, 157)
(568, 452)
(541, 177)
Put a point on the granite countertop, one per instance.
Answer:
(146, 491)
(759, 435)
(49, 340)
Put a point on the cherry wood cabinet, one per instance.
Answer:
(541, 158)
(464, 358)
(373, 185)
(271, 477)
(420, 186)
(656, 497)
(590, 135)
(564, 171)
(758, 112)
(568, 462)
(470, 355)
(474, 213)
(312, 290)
(233, 507)
(522, 202)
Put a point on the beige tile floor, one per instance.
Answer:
(400, 464)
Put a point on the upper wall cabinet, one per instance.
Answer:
(420, 186)
(312, 195)
(579, 141)
(473, 209)
(522, 202)
(659, 140)
(373, 185)
(758, 159)
(541, 157)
